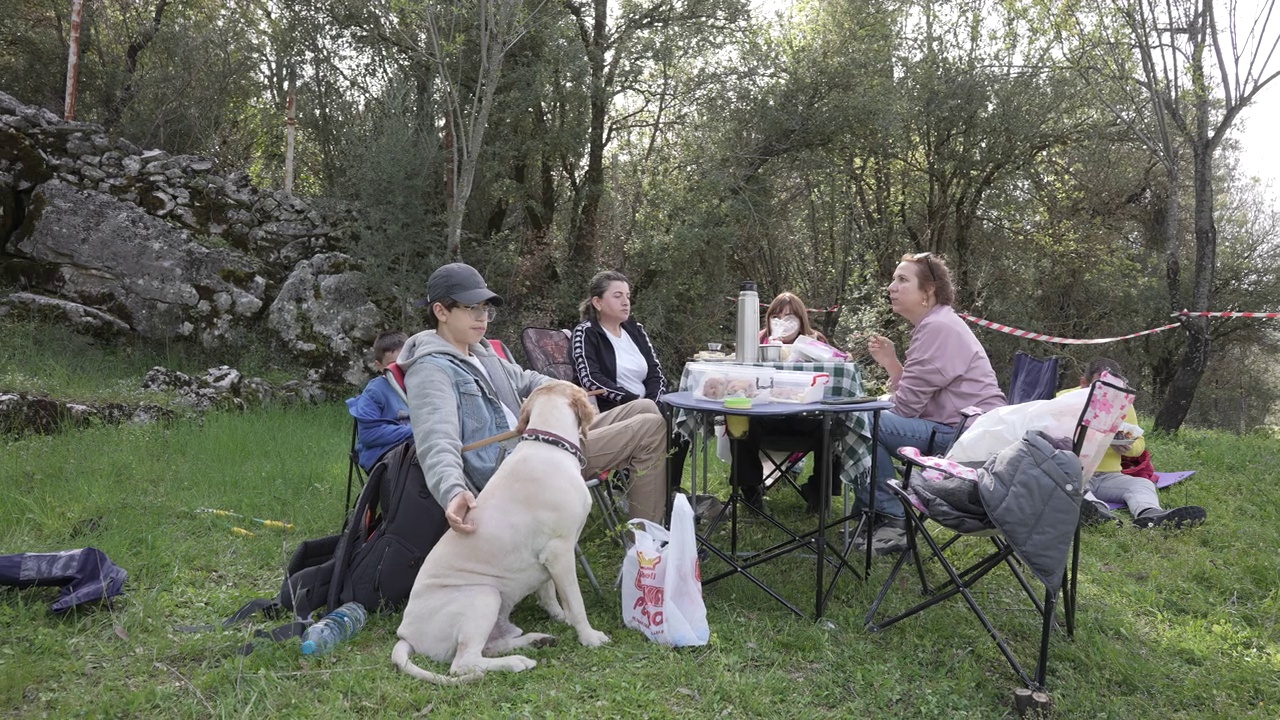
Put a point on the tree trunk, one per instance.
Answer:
(1191, 367)
(584, 227)
(121, 100)
(1195, 357)
(290, 127)
(73, 62)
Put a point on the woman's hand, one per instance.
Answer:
(883, 352)
(886, 355)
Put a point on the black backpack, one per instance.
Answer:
(374, 561)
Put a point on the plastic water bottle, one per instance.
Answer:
(748, 323)
(334, 628)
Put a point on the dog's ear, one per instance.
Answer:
(525, 409)
(585, 411)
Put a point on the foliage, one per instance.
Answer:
(694, 145)
(1172, 624)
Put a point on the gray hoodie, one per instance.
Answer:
(452, 404)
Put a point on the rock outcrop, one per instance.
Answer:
(117, 240)
(224, 387)
(22, 413)
(220, 388)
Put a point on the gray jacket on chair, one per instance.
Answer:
(1032, 493)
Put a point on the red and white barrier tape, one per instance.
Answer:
(1062, 341)
(1099, 341)
(1229, 314)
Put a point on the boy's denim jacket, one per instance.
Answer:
(452, 404)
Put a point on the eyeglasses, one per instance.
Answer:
(924, 258)
(481, 311)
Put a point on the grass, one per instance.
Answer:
(1172, 624)
(48, 359)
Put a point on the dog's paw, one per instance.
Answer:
(541, 640)
(592, 637)
(555, 612)
(517, 663)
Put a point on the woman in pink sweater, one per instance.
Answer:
(946, 370)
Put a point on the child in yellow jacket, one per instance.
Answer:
(1109, 484)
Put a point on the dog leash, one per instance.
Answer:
(503, 437)
(500, 437)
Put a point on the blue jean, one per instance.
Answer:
(896, 432)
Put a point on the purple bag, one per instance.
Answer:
(86, 575)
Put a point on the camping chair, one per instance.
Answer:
(782, 458)
(1033, 378)
(1103, 410)
(354, 471)
(549, 352)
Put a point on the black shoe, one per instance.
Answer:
(811, 492)
(890, 537)
(1092, 513)
(1186, 516)
(753, 496)
(888, 534)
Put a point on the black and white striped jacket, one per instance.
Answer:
(597, 365)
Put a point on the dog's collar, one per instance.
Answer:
(551, 438)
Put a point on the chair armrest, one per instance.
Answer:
(914, 456)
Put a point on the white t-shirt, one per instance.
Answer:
(632, 367)
(511, 419)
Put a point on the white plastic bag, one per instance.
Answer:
(662, 583)
(997, 429)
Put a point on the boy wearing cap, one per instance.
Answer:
(460, 392)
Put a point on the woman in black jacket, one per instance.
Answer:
(612, 352)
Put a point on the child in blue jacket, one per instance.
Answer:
(382, 418)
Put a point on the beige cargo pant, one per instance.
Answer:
(633, 436)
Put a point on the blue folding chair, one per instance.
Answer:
(1033, 378)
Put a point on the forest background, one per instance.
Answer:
(1073, 161)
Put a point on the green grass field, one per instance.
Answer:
(1172, 624)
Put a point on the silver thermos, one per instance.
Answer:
(748, 341)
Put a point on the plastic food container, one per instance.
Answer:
(717, 381)
(791, 386)
(806, 348)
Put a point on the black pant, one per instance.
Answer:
(675, 461)
(799, 434)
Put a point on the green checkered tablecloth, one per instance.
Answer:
(853, 438)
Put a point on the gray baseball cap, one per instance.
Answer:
(460, 282)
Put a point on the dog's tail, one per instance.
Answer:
(400, 656)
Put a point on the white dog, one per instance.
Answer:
(527, 523)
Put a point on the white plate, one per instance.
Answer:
(1126, 434)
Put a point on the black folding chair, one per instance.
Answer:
(1103, 410)
(1033, 378)
(354, 471)
(549, 352)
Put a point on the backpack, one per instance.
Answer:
(374, 561)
